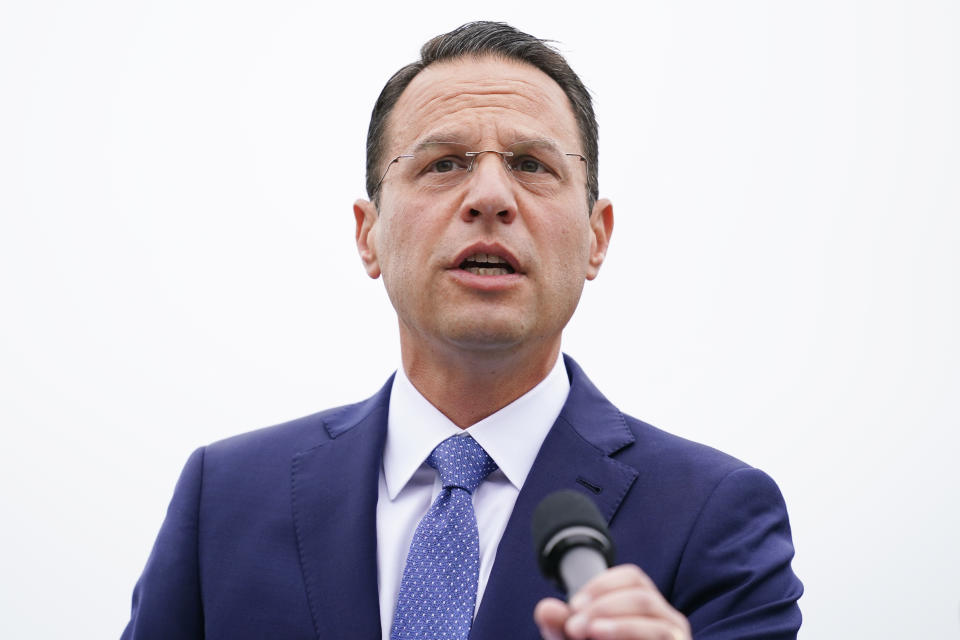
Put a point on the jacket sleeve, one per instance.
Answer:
(166, 599)
(735, 580)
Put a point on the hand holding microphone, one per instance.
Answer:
(574, 550)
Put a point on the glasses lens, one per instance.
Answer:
(438, 165)
(538, 163)
(441, 165)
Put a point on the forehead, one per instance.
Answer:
(482, 101)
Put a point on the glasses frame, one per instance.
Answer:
(473, 155)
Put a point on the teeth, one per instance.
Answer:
(486, 264)
(485, 271)
(487, 257)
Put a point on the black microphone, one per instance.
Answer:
(571, 539)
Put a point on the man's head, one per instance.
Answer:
(479, 227)
(481, 39)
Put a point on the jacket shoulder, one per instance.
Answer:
(720, 534)
(291, 437)
(664, 453)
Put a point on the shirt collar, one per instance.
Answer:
(512, 436)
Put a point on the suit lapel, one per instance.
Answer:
(575, 455)
(334, 497)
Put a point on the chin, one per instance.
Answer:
(485, 341)
(489, 336)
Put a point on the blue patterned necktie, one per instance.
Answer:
(439, 588)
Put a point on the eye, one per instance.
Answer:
(529, 164)
(446, 165)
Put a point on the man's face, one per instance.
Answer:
(427, 241)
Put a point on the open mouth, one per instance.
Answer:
(486, 264)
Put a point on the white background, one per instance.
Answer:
(177, 265)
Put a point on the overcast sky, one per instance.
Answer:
(177, 265)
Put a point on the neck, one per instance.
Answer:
(469, 385)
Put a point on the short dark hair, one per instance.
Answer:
(496, 39)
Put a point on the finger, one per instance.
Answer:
(550, 615)
(631, 602)
(636, 629)
(619, 577)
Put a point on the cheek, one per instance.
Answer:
(400, 253)
(390, 238)
(570, 242)
(570, 256)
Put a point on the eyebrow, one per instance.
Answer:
(538, 143)
(448, 138)
(435, 141)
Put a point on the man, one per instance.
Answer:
(484, 222)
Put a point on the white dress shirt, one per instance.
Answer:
(408, 485)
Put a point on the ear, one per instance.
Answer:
(601, 228)
(365, 213)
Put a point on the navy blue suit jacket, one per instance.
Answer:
(272, 534)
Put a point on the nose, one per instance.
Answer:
(490, 191)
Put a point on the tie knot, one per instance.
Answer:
(461, 462)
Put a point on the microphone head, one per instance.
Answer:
(567, 519)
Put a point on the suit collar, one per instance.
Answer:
(575, 455)
(334, 502)
(334, 498)
(591, 415)
(415, 427)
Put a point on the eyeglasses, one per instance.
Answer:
(442, 165)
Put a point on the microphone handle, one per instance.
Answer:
(578, 565)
